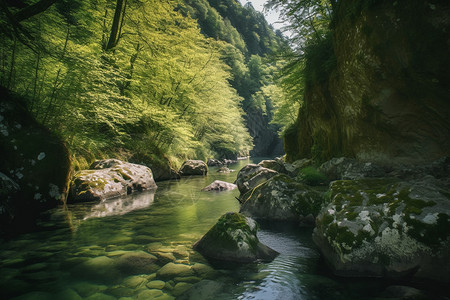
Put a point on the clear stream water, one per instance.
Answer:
(75, 253)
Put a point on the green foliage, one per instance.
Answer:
(163, 90)
(311, 176)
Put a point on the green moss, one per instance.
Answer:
(430, 234)
(311, 176)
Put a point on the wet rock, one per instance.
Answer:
(193, 167)
(110, 178)
(149, 294)
(386, 228)
(180, 288)
(203, 270)
(120, 291)
(233, 238)
(99, 269)
(282, 199)
(164, 257)
(135, 282)
(204, 290)
(156, 284)
(138, 262)
(212, 162)
(219, 186)
(251, 176)
(86, 289)
(224, 170)
(349, 168)
(35, 164)
(172, 270)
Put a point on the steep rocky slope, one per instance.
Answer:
(387, 96)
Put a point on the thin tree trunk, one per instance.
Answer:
(116, 25)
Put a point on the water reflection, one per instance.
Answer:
(122, 205)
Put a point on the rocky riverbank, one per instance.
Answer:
(369, 221)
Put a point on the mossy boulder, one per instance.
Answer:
(110, 178)
(283, 199)
(219, 186)
(35, 163)
(251, 176)
(193, 167)
(387, 228)
(233, 238)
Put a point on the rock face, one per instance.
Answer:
(384, 99)
(251, 176)
(282, 199)
(233, 238)
(348, 168)
(35, 164)
(219, 186)
(110, 178)
(193, 167)
(386, 227)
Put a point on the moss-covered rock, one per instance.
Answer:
(233, 238)
(110, 178)
(283, 199)
(35, 164)
(274, 164)
(385, 227)
(251, 176)
(193, 167)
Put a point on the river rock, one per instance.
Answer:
(193, 167)
(219, 186)
(137, 262)
(233, 238)
(35, 164)
(274, 164)
(251, 176)
(172, 270)
(387, 228)
(212, 162)
(224, 170)
(282, 199)
(349, 168)
(110, 178)
(204, 290)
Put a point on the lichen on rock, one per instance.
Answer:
(386, 227)
(283, 199)
(110, 178)
(233, 238)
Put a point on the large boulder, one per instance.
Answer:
(349, 168)
(233, 238)
(110, 178)
(282, 199)
(386, 227)
(251, 176)
(219, 186)
(193, 167)
(35, 164)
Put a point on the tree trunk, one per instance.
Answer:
(116, 25)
